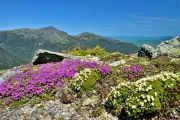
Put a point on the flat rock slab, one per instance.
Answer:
(45, 56)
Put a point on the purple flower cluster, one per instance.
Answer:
(31, 81)
(135, 72)
(104, 69)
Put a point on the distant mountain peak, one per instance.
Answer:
(49, 28)
(84, 34)
(89, 35)
(52, 30)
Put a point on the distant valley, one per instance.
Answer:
(18, 46)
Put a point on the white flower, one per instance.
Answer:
(152, 104)
(148, 98)
(142, 96)
(155, 93)
(152, 98)
(133, 106)
(141, 103)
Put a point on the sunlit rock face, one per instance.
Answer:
(169, 47)
(147, 51)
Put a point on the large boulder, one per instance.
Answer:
(147, 51)
(169, 47)
(45, 56)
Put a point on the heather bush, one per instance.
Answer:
(135, 72)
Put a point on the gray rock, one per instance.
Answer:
(169, 47)
(147, 51)
(7, 75)
(116, 63)
(45, 56)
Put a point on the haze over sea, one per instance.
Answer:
(140, 40)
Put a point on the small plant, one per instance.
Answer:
(119, 95)
(96, 112)
(60, 118)
(66, 98)
(41, 106)
(85, 80)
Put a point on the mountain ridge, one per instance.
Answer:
(24, 42)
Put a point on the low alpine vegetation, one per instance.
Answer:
(44, 79)
(145, 96)
(136, 87)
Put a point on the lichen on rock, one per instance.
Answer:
(169, 47)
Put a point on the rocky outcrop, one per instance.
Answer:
(147, 51)
(169, 47)
(8, 74)
(45, 56)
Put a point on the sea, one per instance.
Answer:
(140, 40)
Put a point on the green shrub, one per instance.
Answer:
(147, 95)
(80, 51)
(84, 80)
(145, 100)
(118, 95)
(113, 57)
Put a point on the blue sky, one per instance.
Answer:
(104, 17)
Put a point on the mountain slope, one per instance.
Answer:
(111, 45)
(8, 59)
(24, 42)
